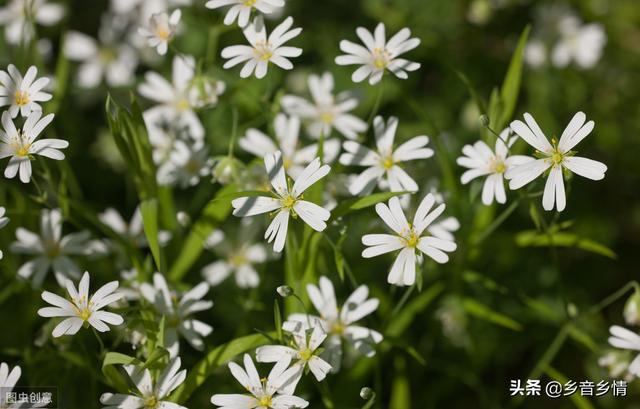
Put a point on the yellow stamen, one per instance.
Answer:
(265, 401)
(380, 58)
(326, 117)
(249, 3)
(412, 239)
(84, 314)
(337, 328)
(21, 98)
(183, 104)
(306, 354)
(288, 201)
(387, 162)
(262, 50)
(151, 402)
(163, 33)
(23, 150)
(497, 165)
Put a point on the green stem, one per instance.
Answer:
(498, 221)
(376, 104)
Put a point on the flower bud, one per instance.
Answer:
(285, 291)
(484, 120)
(183, 218)
(632, 309)
(367, 393)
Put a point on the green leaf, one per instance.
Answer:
(480, 104)
(214, 359)
(112, 374)
(583, 338)
(358, 203)
(400, 391)
(214, 213)
(473, 277)
(483, 312)
(532, 238)
(149, 211)
(277, 319)
(511, 84)
(402, 320)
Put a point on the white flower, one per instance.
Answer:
(148, 396)
(82, 309)
(22, 94)
(162, 28)
(482, 161)
(173, 99)
(384, 162)
(115, 62)
(379, 55)
(287, 201)
(326, 112)
(241, 9)
(303, 351)
(580, 43)
(535, 53)
(17, 15)
(204, 91)
(3, 222)
(21, 144)
(264, 392)
(8, 380)
(177, 312)
(338, 323)
(237, 261)
(555, 156)
(262, 49)
(51, 249)
(186, 164)
(133, 231)
(408, 238)
(626, 339)
(287, 131)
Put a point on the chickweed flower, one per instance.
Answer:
(408, 238)
(383, 165)
(237, 261)
(482, 161)
(8, 380)
(3, 222)
(22, 94)
(287, 201)
(264, 391)
(177, 311)
(582, 43)
(557, 156)
(241, 9)
(626, 339)
(304, 351)
(148, 395)
(263, 50)
(21, 144)
(51, 249)
(294, 157)
(338, 323)
(379, 55)
(326, 111)
(162, 27)
(17, 18)
(82, 310)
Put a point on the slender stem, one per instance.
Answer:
(376, 105)
(99, 341)
(498, 221)
(614, 297)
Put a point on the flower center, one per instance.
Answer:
(288, 201)
(193, 166)
(238, 260)
(249, 3)
(265, 401)
(326, 117)
(84, 314)
(151, 402)
(387, 162)
(23, 150)
(337, 328)
(52, 250)
(263, 51)
(163, 33)
(183, 104)
(287, 163)
(306, 354)
(412, 239)
(381, 58)
(21, 98)
(497, 165)
(557, 157)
